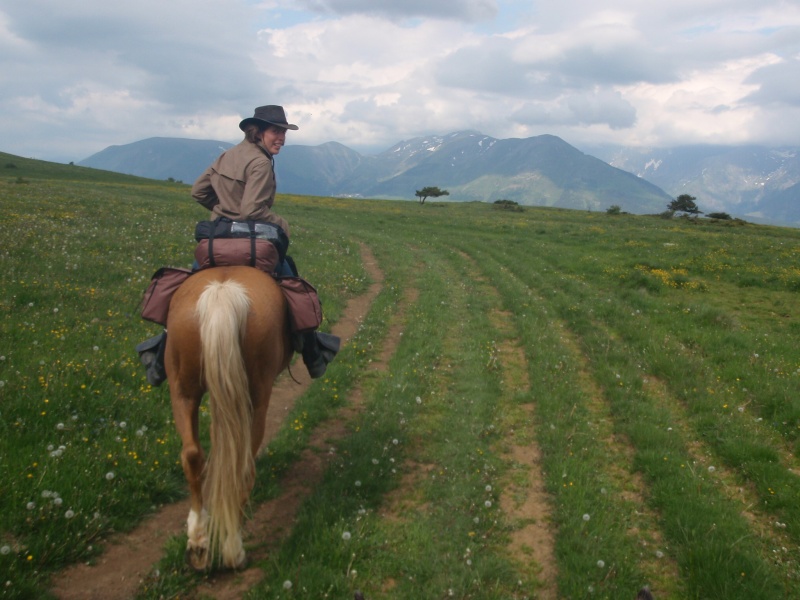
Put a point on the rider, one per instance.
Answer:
(240, 185)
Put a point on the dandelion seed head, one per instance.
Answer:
(711, 469)
(601, 564)
(30, 505)
(58, 501)
(419, 400)
(488, 504)
(287, 585)
(358, 483)
(60, 426)
(69, 514)
(586, 517)
(110, 475)
(346, 536)
(5, 550)
(659, 554)
(488, 488)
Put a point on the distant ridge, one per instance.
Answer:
(541, 171)
(748, 182)
(159, 158)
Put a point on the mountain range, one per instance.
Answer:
(748, 182)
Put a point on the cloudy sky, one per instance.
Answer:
(76, 77)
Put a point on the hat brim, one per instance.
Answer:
(257, 121)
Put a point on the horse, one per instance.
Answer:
(228, 335)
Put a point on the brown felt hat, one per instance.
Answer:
(271, 115)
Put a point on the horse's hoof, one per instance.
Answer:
(240, 563)
(197, 559)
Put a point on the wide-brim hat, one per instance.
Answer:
(271, 115)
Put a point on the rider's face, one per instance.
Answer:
(273, 138)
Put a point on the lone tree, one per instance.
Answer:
(685, 203)
(430, 192)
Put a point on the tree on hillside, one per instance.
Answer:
(430, 192)
(685, 203)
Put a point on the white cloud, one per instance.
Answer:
(461, 10)
(369, 73)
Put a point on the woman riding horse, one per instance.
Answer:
(240, 185)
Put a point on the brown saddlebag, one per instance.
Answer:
(158, 295)
(305, 310)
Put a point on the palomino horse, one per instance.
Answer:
(228, 336)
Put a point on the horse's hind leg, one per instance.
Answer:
(185, 413)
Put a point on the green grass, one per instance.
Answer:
(661, 377)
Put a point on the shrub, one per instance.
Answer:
(614, 209)
(507, 205)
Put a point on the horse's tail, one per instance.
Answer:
(222, 311)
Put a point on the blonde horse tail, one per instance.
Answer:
(222, 311)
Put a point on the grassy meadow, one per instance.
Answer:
(649, 370)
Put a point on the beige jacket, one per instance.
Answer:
(240, 185)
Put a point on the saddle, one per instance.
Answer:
(227, 243)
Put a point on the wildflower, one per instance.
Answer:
(346, 536)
